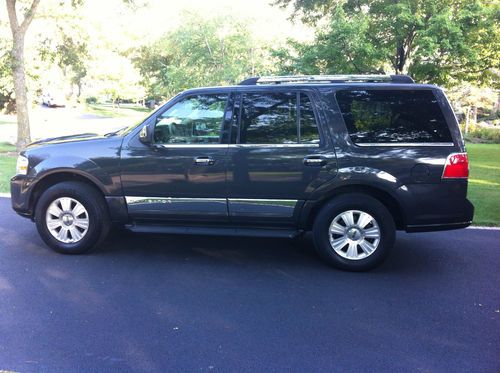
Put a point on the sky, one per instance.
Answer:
(112, 27)
(159, 16)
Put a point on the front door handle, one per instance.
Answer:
(315, 160)
(204, 161)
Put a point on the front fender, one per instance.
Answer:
(75, 165)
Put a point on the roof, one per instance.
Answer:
(317, 81)
(304, 79)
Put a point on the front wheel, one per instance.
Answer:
(72, 217)
(354, 232)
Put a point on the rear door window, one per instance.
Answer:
(277, 118)
(393, 116)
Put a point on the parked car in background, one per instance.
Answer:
(53, 100)
(350, 158)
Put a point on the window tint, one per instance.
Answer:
(271, 118)
(308, 128)
(194, 120)
(392, 116)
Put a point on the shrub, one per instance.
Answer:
(91, 100)
(483, 134)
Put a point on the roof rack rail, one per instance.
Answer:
(402, 79)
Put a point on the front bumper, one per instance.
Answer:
(20, 195)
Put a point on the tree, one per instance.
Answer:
(18, 71)
(69, 51)
(443, 41)
(213, 51)
(116, 77)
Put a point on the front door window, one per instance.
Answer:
(194, 120)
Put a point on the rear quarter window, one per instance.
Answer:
(393, 116)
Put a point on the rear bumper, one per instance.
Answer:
(436, 227)
(457, 213)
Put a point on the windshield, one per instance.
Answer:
(126, 130)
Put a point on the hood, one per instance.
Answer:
(66, 139)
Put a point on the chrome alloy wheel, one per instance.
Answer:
(67, 220)
(354, 234)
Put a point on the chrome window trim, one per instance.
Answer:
(405, 144)
(274, 145)
(225, 146)
(180, 146)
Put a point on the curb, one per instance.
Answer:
(7, 195)
(484, 228)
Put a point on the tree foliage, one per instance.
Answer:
(201, 52)
(70, 52)
(441, 41)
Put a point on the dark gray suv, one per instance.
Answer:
(350, 158)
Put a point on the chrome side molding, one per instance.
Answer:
(396, 144)
(236, 207)
(154, 200)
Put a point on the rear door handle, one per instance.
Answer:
(204, 161)
(315, 160)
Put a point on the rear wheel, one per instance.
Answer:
(354, 232)
(72, 217)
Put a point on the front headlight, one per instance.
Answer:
(22, 165)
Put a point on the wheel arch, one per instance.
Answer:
(312, 208)
(60, 176)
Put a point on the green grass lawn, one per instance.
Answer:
(2, 121)
(484, 180)
(7, 165)
(125, 110)
(6, 147)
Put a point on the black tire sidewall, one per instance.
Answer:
(354, 202)
(93, 203)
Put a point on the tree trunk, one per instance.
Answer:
(400, 60)
(474, 114)
(467, 120)
(23, 122)
(18, 74)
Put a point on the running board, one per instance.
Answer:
(214, 231)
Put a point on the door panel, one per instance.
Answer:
(268, 182)
(276, 172)
(172, 173)
(182, 176)
(271, 208)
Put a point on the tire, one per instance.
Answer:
(351, 244)
(53, 225)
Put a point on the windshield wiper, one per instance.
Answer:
(115, 132)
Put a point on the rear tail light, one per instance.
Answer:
(456, 166)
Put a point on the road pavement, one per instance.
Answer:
(181, 303)
(53, 122)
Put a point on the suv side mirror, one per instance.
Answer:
(145, 136)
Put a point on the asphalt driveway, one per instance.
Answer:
(179, 303)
